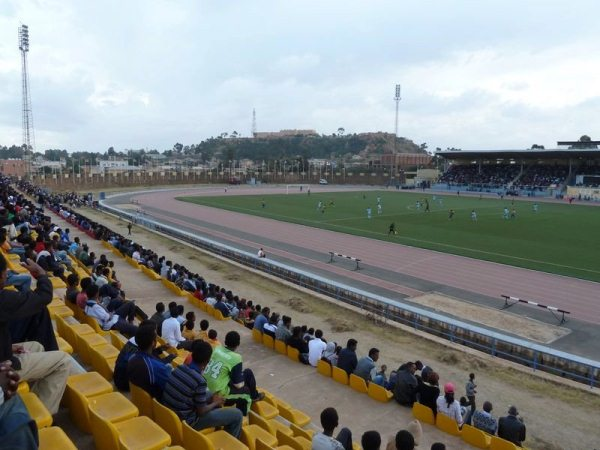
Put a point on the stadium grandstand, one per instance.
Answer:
(90, 369)
(572, 170)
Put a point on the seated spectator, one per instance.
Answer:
(483, 419)
(109, 320)
(72, 288)
(212, 338)
(171, 330)
(271, 326)
(465, 410)
(316, 347)
(447, 405)
(129, 349)
(296, 341)
(188, 331)
(186, 393)
(143, 368)
(309, 334)
(221, 306)
(81, 298)
(429, 391)
(179, 316)
(371, 440)
(203, 334)
(47, 371)
(158, 317)
(347, 359)
(283, 329)
(329, 354)
(402, 441)
(425, 370)
(228, 378)
(367, 370)
(405, 390)
(261, 319)
(438, 446)
(511, 427)
(325, 440)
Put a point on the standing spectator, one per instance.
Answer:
(484, 420)
(511, 427)
(347, 359)
(186, 393)
(325, 440)
(470, 389)
(316, 347)
(448, 406)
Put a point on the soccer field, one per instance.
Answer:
(559, 238)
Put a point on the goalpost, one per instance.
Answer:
(297, 187)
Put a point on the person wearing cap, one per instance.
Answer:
(447, 405)
(511, 427)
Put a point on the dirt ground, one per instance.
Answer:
(517, 325)
(559, 414)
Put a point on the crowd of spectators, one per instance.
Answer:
(490, 176)
(213, 374)
(540, 177)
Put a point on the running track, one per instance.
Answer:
(479, 277)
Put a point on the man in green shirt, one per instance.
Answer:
(225, 376)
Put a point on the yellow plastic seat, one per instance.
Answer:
(423, 413)
(210, 310)
(142, 400)
(269, 425)
(300, 432)
(112, 406)
(295, 442)
(57, 283)
(85, 342)
(194, 440)
(93, 323)
(38, 412)
(324, 368)
(69, 331)
(294, 416)
(250, 433)
(358, 384)
(217, 314)
(447, 424)
(280, 347)
(87, 385)
(23, 387)
(264, 409)
(137, 433)
(497, 443)
(475, 437)
(339, 375)
(60, 310)
(103, 360)
(64, 346)
(257, 335)
(117, 339)
(379, 393)
(268, 341)
(260, 445)
(54, 438)
(168, 421)
(293, 354)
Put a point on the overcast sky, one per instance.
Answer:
(475, 74)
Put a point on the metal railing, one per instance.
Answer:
(527, 353)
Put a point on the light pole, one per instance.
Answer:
(397, 99)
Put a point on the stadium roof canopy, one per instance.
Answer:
(591, 153)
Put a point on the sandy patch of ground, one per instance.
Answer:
(538, 397)
(521, 326)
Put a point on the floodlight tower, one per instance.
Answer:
(253, 122)
(397, 99)
(27, 116)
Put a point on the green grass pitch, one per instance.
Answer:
(559, 238)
